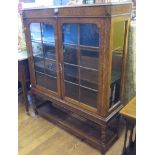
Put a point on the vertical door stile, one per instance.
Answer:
(59, 62)
(30, 55)
(100, 67)
(60, 51)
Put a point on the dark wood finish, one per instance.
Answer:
(101, 10)
(102, 114)
(23, 76)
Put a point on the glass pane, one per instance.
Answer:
(88, 1)
(48, 33)
(118, 35)
(39, 64)
(50, 67)
(37, 49)
(71, 73)
(70, 54)
(117, 60)
(49, 51)
(88, 97)
(115, 92)
(89, 35)
(51, 83)
(72, 91)
(40, 79)
(89, 78)
(89, 58)
(35, 31)
(70, 33)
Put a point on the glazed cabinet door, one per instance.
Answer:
(80, 52)
(43, 51)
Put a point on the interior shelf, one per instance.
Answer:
(71, 122)
(79, 126)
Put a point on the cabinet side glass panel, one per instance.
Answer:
(118, 34)
(43, 49)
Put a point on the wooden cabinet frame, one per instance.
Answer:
(103, 16)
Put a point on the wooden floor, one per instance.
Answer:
(40, 137)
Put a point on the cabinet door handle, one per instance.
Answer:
(60, 68)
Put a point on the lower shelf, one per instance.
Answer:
(84, 129)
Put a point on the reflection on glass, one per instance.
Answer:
(71, 73)
(89, 78)
(89, 58)
(37, 49)
(118, 36)
(70, 33)
(89, 35)
(117, 61)
(44, 55)
(49, 51)
(35, 31)
(115, 92)
(50, 67)
(39, 64)
(72, 90)
(51, 83)
(86, 70)
(48, 33)
(70, 54)
(40, 79)
(88, 97)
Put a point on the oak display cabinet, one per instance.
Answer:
(77, 57)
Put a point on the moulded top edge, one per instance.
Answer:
(83, 5)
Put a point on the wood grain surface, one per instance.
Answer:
(129, 110)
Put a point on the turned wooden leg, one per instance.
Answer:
(131, 134)
(131, 128)
(103, 137)
(34, 104)
(125, 140)
(132, 142)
